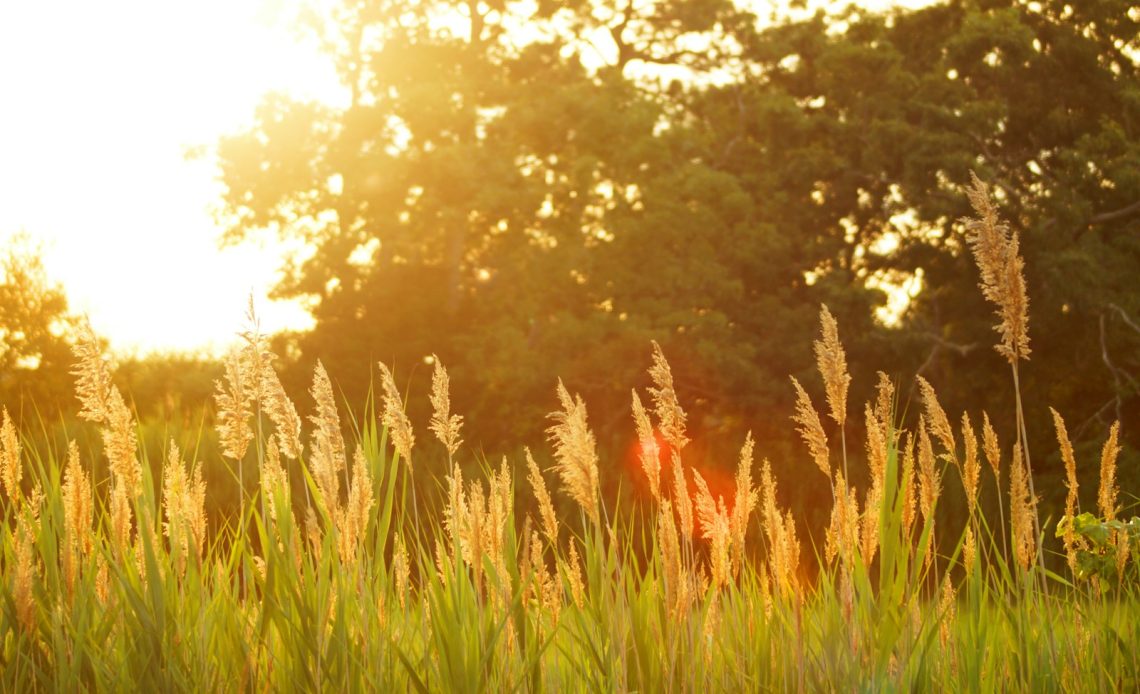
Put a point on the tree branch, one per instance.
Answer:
(1115, 215)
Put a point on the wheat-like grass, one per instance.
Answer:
(352, 520)
(443, 424)
(233, 398)
(937, 420)
(681, 497)
(394, 418)
(575, 452)
(1106, 495)
(996, 251)
(811, 429)
(78, 515)
(542, 497)
(744, 502)
(649, 451)
(832, 363)
(1021, 512)
(11, 464)
(670, 416)
(327, 454)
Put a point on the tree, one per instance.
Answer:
(35, 333)
(526, 209)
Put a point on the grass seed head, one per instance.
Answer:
(443, 424)
(78, 514)
(282, 412)
(649, 451)
(971, 466)
(670, 416)
(1106, 496)
(232, 398)
(92, 375)
(575, 453)
(743, 503)
(996, 251)
(811, 429)
(542, 497)
(394, 418)
(1021, 511)
(1072, 541)
(11, 464)
(937, 420)
(681, 497)
(327, 458)
(832, 363)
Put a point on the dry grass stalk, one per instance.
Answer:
(1123, 550)
(843, 531)
(11, 466)
(996, 251)
(233, 404)
(499, 505)
(937, 420)
(1021, 512)
(542, 497)
(352, 520)
(783, 547)
(716, 528)
(328, 458)
(877, 449)
(681, 497)
(649, 451)
(869, 531)
(471, 533)
(92, 376)
(455, 513)
(909, 491)
(969, 551)
(575, 452)
(1073, 542)
(27, 570)
(971, 466)
(947, 607)
(670, 416)
(574, 577)
(394, 418)
(885, 403)
(545, 585)
(674, 573)
(443, 424)
(991, 448)
(929, 483)
(282, 412)
(184, 501)
(810, 428)
(121, 520)
(1106, 496)
(401, 571)
(274, 480)
(78, 515)
(744, 502)
(832, 363)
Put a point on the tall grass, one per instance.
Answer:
(328, 578)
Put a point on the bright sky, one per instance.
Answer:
(98, 103)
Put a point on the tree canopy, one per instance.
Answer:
(537, 190)
(36, 328)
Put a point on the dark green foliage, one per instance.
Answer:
(532, 207)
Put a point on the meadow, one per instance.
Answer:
(329, 577)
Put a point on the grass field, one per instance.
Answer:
(329, 577)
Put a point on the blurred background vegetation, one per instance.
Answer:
(537, 190)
